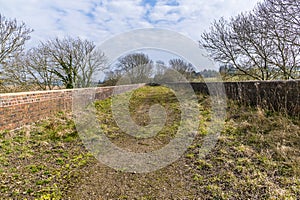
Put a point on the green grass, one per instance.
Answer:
(41, 161)
(140, 102)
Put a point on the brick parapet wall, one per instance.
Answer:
(18, 109)
(282, 96)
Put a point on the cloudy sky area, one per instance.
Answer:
(99, 20)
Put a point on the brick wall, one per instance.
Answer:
(18, 109)
(282, 96)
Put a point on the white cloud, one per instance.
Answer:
(98, 20)
(119, 16)
(192, 17)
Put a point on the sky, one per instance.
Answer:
(100, 20)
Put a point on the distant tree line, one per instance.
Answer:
(141, 69)
(262, 44)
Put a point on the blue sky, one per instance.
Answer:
(99, 20)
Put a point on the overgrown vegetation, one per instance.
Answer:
(257, 156)
(41, 161)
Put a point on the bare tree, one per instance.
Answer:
(74, 61)
(159, 71)
(236, 44)
(12, 38)
(258, 44)
(283, 20)
(287, 12)
(252, 46)
(219, 44)
(186, 69)
(112, 77)
(14, 75)
(39, 69)
(30, 71)
(138, 66)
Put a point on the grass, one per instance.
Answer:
(41, 161)
(139, 106)
(257, 156)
